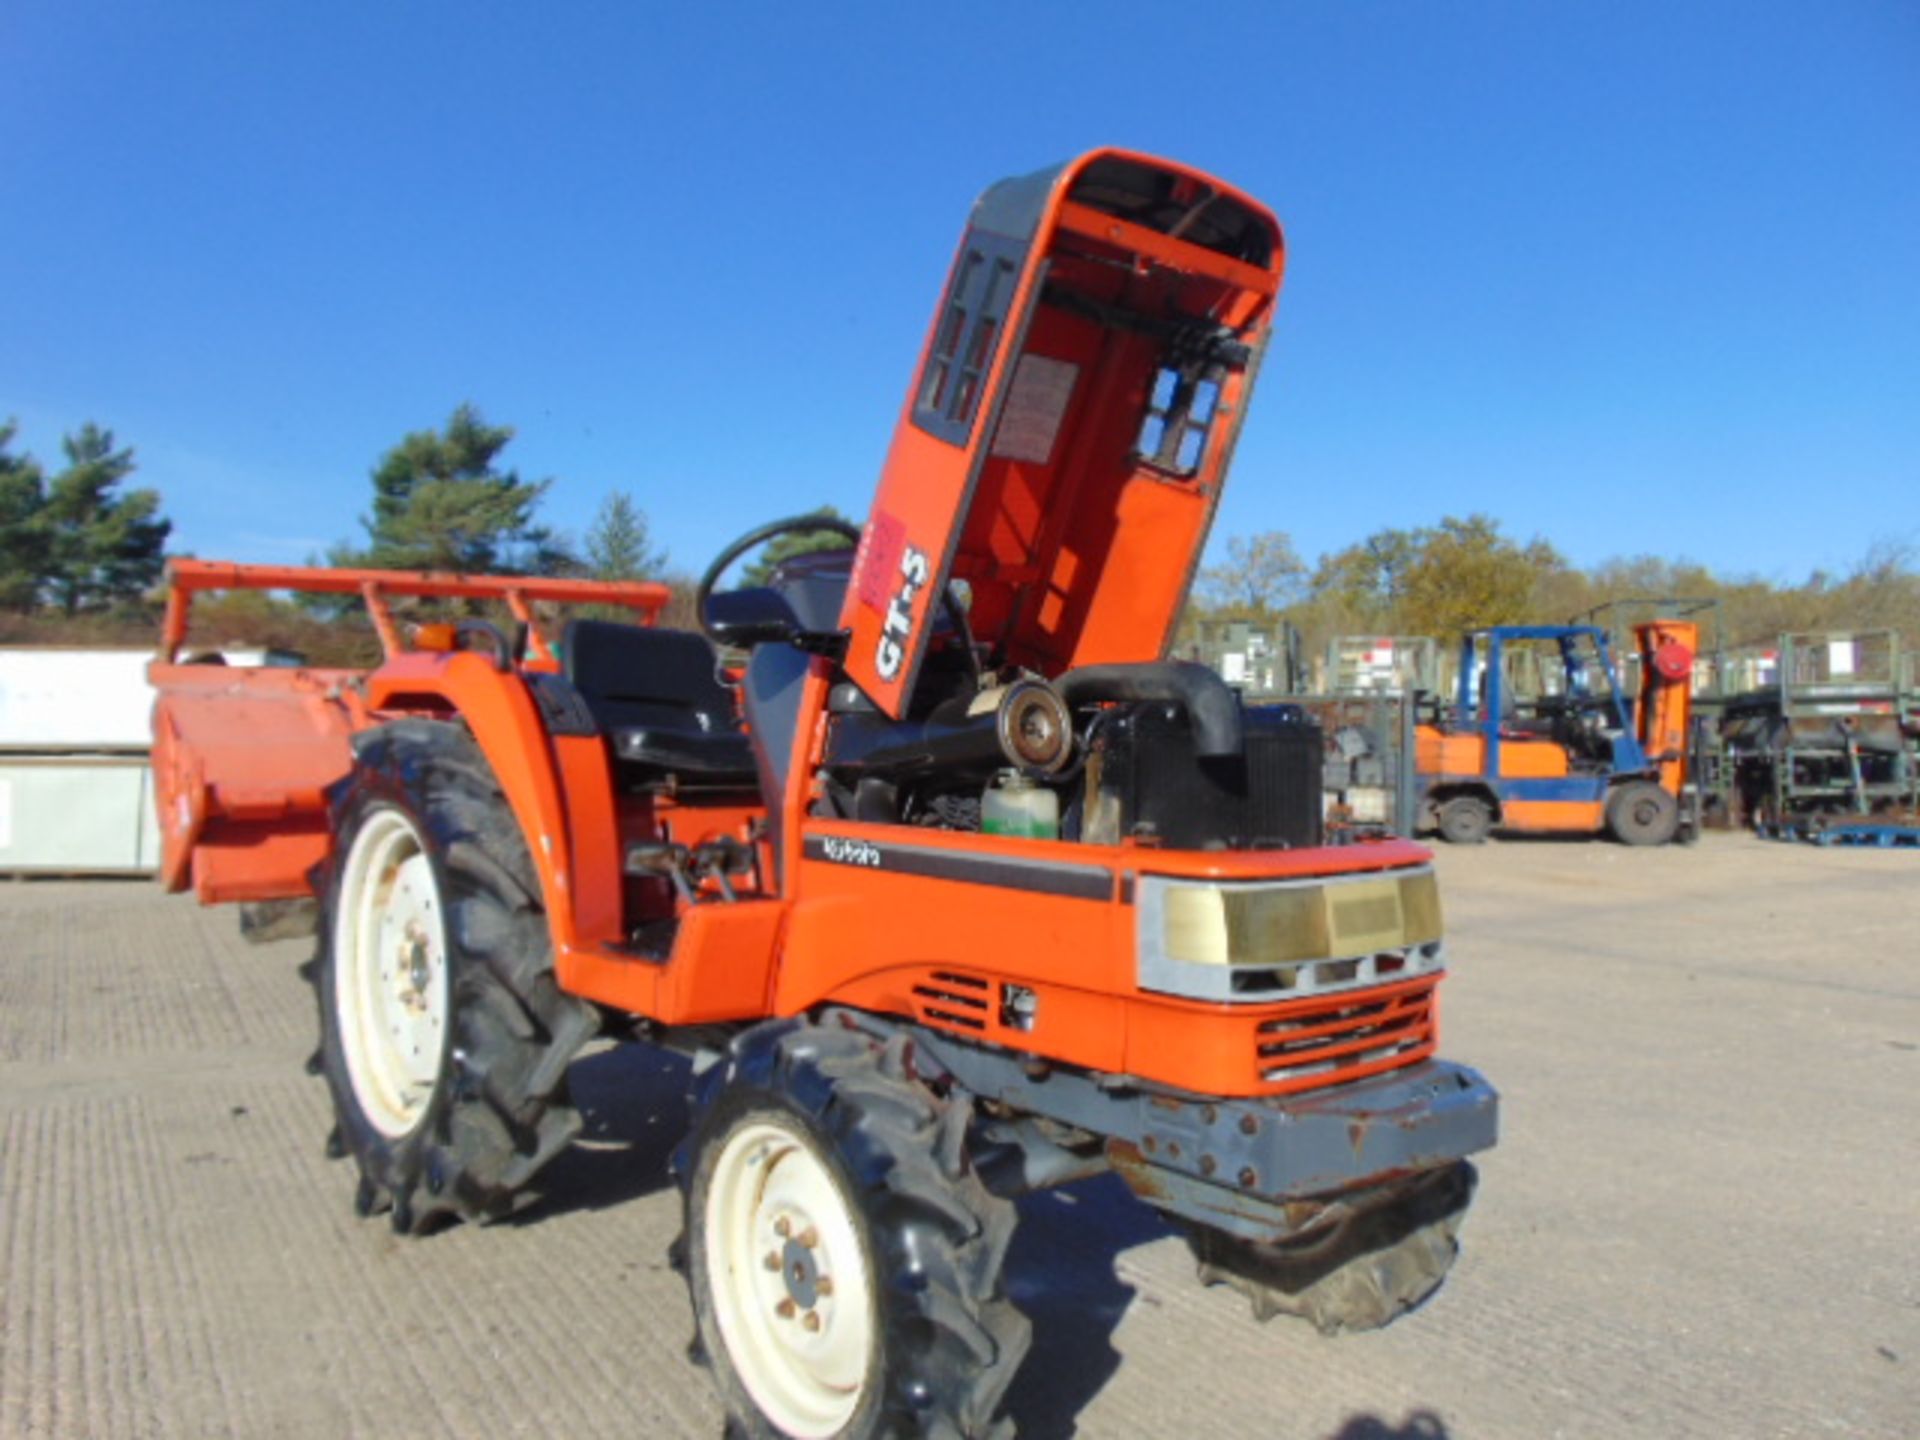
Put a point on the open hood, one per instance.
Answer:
(1063, 447)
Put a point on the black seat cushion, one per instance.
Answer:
(726, 759)
(656, 697)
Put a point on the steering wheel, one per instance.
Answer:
(773, 529)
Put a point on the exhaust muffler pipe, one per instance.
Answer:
(1024, 725)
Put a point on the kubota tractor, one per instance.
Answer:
(951, 886)
(1541, 738)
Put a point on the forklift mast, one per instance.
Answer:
(1665, 710)
(1483, 700)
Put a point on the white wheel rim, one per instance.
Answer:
(390, 972)
(789, 1280)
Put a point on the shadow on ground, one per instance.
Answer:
(633, 1108)
(1060, 1272)
(1544, 839)
(1061, 1269)
(1419, 1425)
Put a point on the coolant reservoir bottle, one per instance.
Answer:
(1014, 805)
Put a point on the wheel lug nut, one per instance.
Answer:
(772, 1261)
(783, 1227)
(809, 1238)
(812, 1322)
(785, 1309)
(823, 1284)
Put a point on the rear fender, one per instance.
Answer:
(498, 710)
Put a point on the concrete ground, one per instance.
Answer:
(1703, 1219)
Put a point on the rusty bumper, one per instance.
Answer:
(1299, 1147)
(1179, 1150)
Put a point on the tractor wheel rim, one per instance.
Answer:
(390, 984)
(789, 1279)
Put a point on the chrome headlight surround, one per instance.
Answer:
(1260, 941)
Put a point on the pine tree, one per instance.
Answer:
(23, 530)
(795, 543)
(619, 546)
(440, 502)
(102, 546)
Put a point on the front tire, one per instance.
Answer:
(1387, 1258)
(1643, 813)
(844, 1258)
(444, 1037)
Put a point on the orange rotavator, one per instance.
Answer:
(952, 887)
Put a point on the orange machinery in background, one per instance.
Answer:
(1574, 755)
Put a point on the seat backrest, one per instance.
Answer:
(664, 677)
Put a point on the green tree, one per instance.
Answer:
(1883, 590)
(1365, 583)
(102, 546)
(23, 529)
(795, 543)
(441, 502)
(1262, 574)
(620, 545)
(1468, 574)
(1436, 580)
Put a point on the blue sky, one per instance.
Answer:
(1632, 277)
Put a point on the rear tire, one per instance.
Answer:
(1466, 820)
(444, 1037)
(815, 1158)
(1642, 813)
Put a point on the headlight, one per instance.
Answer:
(1266, 940)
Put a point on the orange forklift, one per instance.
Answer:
(1566, 754)
(950, 885)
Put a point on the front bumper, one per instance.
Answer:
(1272, 1150)
(1296, 1147)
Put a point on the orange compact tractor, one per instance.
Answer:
(949, 883)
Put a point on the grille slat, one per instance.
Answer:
(1347, 1038)
(953, 1001)
(1393, 1033)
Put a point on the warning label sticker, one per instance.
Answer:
(878, 564)
(1036, 404)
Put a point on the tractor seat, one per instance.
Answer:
(655, 696)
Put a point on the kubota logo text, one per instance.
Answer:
(850, 852)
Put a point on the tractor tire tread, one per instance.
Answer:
(1393, 1267)
(954, 1339)
(501, 1111)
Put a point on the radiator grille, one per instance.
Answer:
(1347, 1037)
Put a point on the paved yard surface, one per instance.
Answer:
(1704, 1219)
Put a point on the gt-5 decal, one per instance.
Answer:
(897, 627)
